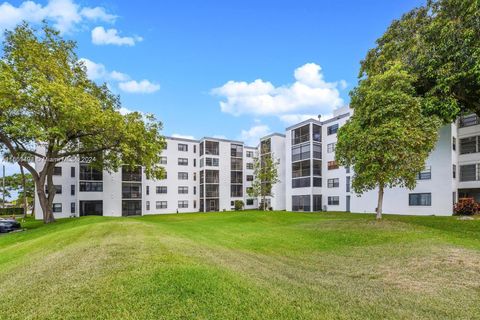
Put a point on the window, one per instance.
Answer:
(72, 207)
(183, 176)
(331, 147)
(182, 147)
(72, 190)
(194, 190)
(148, 190)
(301, 152)
(265, 146)
(131, 174)
(317, 151)
(161, 205)
(468, 120)
(194, 162)
(161, 189)
(236, 190)
(236, 150)
(317, 133)
(469, 172)
(57, 171)
(89, 173)
(301, 169)
(236, 164)
(57, 207)
(250, 166)
(426, 174)
(317, 167)
(420, 199)
(72, 172)
(317, 182)
(194, 176)
(163, 160)
(301, 182)
(347, 184)
(147, 205)
(183, 204)
(334, 201)
(301, 134)
(317, 203)
(194, 148)
(249, 177)
(469, 145)
(236, 176)
(331, 165)
(58, 189)
(211, 147)
(182, 161)
(301, 203)
(182, 190)
(212, 162)
(333, 183)
(332, 129)
(131, 190)
(454, 143)
(347, 169)
(91, 186)
(454, 171)
(249, 202)
(249, 154)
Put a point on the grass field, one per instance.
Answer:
(248, 265)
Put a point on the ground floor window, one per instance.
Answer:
(334, 201)
(301, 203)
(131, 207)
(420, 199)
(317, 203)
(249, 202)
(57, 207)
(161, 204)
(183, 204)
(91, 208)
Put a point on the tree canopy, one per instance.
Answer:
(387, 140)
(46, 99)
(439, 45)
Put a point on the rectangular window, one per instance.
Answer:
(236, 176)
(72, 207)
(194, 162)
(182, 161)
(161, 189)
(182, 190)
(426, 174)
(469, 145)
(249, 177)
(212, 162)
(183, 204)
(317, 167)
(236, 164)
(91, 186)
(236, 190)
(332, 165)
(249, 202)
(331, 147)
(212, 147)
(301, 135)
(333, 183)
(57, 171)
(454, 171)
(161, 205)
(147, 190)
(317, 203)
(72, 172)
(249, 154)
(194, 148)
(301, 182)
(147, 205)
(57, 207)
(183, 176)
(468, 120)
(58, 189)
(420, 199)
(317, 182)
(250, 166)
(236, 150)
(334, 201)
(182, 147)
(301, 152)
(131, 190)
(332, 129)
(163, 160)
(317, 133)
(347, 184)
(301, 169)
(469, 172)
(72, 190)
(194, 190)
(317, 151)
(301, 203)
(454, 143)
(89, 173)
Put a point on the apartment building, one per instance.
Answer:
(210, 174)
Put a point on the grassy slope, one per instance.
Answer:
(248, 265)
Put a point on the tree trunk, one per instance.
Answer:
(380, 202)
(24, 186)
(264, 203)
(44, 200)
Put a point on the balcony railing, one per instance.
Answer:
(300, 139)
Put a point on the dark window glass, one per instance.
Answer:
(332, 129)
(57, 171)
(420, 199)
(301, 203)
(334, 201)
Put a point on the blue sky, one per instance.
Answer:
(181, 59)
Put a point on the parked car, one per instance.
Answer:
(8, 225)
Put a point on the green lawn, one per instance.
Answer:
(247, 265)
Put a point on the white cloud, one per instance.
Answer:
(143, 86)
(310, 93)
(252, 136)
(177, 135)
(100, 36)
(123, 111)
(97, 71)
(66, 15)
(290, 119)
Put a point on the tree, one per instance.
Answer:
(387, 140)
(266, 175)
(438, 44)
(23, 185)
(47, 100)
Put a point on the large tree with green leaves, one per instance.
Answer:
(265, 172)
(387, 140)
(439, 44)
(47, 100)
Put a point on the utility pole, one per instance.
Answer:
(3, 188)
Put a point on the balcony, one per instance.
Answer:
(300, 139)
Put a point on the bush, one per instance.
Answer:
(239, 205)
(11, 211)
(466, 207)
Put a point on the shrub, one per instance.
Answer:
(466, 207)
(11, 211)
(239, 205)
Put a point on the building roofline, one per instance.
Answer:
(181, 139)
(303, 123)
(272, 134)
(221, 139)
(336, 118)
